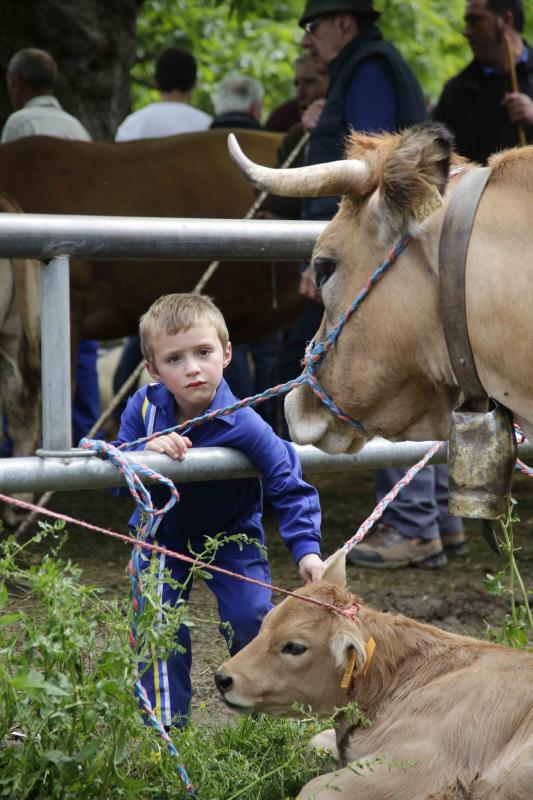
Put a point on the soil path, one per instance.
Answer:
(453, 597)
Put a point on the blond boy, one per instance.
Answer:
(185, 342)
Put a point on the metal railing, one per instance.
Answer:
(53, 239)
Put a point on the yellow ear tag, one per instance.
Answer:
(431, 202)
(370, 646)
(346, 678)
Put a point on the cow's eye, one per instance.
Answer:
(294, 648)
(324, 269)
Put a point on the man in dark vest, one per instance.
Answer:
(479, 104)
(371, 89)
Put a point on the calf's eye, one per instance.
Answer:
(294, 648)
(324, 269)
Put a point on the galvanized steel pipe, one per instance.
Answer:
(204, 463)
(55, 354)
(44, 236)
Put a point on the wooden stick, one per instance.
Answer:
(514, 84)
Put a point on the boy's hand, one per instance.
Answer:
(172, 444)
(311, 568)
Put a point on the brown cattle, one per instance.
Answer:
(451, 717)
(182, 176)
(390, 367)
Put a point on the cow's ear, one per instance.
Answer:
(413, 180)
(335, 571)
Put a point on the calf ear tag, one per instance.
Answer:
(432, 202)
(346, 678)
(370, 646)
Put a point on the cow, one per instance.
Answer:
(451, 717)
(20, 386)
(189, 175)
(390, 369)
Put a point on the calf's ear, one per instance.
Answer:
(342, 646)
(335, 571)
(413, 180)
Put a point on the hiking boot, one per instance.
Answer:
(384, 547)
(455, 544)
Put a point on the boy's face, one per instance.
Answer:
(190, 364)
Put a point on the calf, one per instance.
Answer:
(451, 717)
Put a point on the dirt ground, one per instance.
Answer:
(453, 597)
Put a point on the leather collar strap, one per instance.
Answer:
(453, 251)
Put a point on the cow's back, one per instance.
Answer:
(190, 175)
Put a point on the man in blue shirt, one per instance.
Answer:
(185, 343)
(371, 89)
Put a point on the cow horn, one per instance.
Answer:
(318, 180)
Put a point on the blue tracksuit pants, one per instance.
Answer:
(86, 402)
(242, 605)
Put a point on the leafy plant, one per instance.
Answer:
(70, 726)
(517, 626)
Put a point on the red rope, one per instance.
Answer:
(351, 613)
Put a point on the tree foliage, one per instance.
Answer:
(262, 39)
(262, 44)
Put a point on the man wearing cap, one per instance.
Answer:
(371, 89)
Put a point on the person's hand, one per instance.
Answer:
(312, 114)
(311, 568)
(519, 107)
(307, 287)
(172, 444)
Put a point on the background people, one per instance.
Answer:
(309, 85)
(31, 78)
(175, 77)
(238, 103)
(479, 105)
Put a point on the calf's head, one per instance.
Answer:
(389, 368)
(300, 654)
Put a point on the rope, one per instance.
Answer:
(382, 505)
(155, 548)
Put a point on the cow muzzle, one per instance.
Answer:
(310, 422)
(225, 684)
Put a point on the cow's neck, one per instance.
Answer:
(407, 653)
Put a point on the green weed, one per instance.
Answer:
(517, 627)
(69, 722)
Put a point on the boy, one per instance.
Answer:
(185, 342)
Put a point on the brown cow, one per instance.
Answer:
(390, 367)
(451, 717)
(181, 176)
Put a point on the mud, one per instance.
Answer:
(453, 597)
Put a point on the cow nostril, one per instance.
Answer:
(324, 269)
(223, 682)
